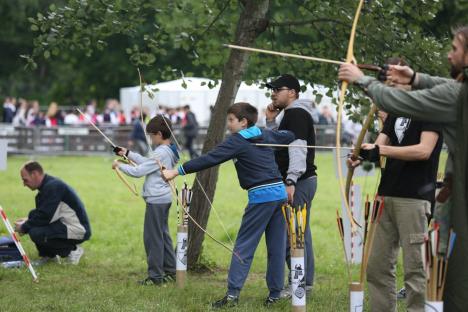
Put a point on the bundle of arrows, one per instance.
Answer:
(182, 234)
(372, 214)
(185, 200)
(296, 224)
(436, 256)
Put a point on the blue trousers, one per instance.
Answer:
(258, 219)
(304, 193)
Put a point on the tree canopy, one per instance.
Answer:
(89, 48)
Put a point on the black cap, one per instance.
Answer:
(285, 80)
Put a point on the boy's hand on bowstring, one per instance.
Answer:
(169, 174)
(120, 151)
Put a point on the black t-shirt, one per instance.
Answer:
(300, 122)
(410, 179)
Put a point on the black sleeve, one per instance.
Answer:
(389, 126)
(299, 122)
(431, 126)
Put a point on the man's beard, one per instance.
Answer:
(454, 71)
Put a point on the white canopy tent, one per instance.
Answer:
(199, 97)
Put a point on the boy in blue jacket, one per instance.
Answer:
(257, 172)
(158, 197)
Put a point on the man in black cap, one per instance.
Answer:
(296, 164)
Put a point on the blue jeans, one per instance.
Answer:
(258, 219)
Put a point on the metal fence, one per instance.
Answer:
(83, 140)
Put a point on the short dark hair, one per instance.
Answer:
(31, 166)
(162, 124)
(461, 33)
(244, 110)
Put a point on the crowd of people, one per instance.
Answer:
(26, 113)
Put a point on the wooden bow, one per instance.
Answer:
(357, 149)
(344, 88)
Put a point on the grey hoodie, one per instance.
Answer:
(155, 189)
(297, 155)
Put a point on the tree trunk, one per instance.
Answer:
(252, 22)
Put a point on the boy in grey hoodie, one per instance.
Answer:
(158, 198)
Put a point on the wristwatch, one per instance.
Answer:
(290, 182)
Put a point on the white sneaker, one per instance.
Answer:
(75, 255)
(44, 260)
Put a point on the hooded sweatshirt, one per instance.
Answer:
(155, 189)
(297, 163)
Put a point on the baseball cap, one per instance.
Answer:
(285, 80)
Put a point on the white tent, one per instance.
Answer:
(199, 97)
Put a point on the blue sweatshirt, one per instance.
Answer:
(255, 165)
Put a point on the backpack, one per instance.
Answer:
(8, 250)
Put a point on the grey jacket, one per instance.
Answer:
(155, 189)
(297, 155)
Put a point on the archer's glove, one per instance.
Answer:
(118, 149)
(382, 74)
(372, 155)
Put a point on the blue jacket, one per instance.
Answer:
(255, 165)
(56, 201)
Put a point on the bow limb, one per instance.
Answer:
(125, 181)
(356, 150)
(344, 88)
(148, 141)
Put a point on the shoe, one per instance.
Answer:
(401, 294)
(227, 302)
(75, 255)
(269, 301)
(309, 289)
(169, 278)
(149, 281)
(45, 260)
(286, 292)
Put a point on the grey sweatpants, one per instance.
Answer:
(157, 239)
(403, 222)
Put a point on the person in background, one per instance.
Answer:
(190, 129)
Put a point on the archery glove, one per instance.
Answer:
(382, 74)
(372, 155)
(118, 149)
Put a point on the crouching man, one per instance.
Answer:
(59, 222)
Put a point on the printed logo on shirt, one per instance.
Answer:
(401, 125)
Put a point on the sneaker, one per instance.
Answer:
(227, 302)
(401, 294)
(309, 289)
(269, 301)
(286, 292)
(149, 281)
(75, 255)
(45, 260)
(169, 278)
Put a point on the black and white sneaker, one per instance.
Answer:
(227, 301)
(269, 301)
(401, 294)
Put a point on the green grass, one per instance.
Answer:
(114, 258)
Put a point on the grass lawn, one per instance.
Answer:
(114, 258)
